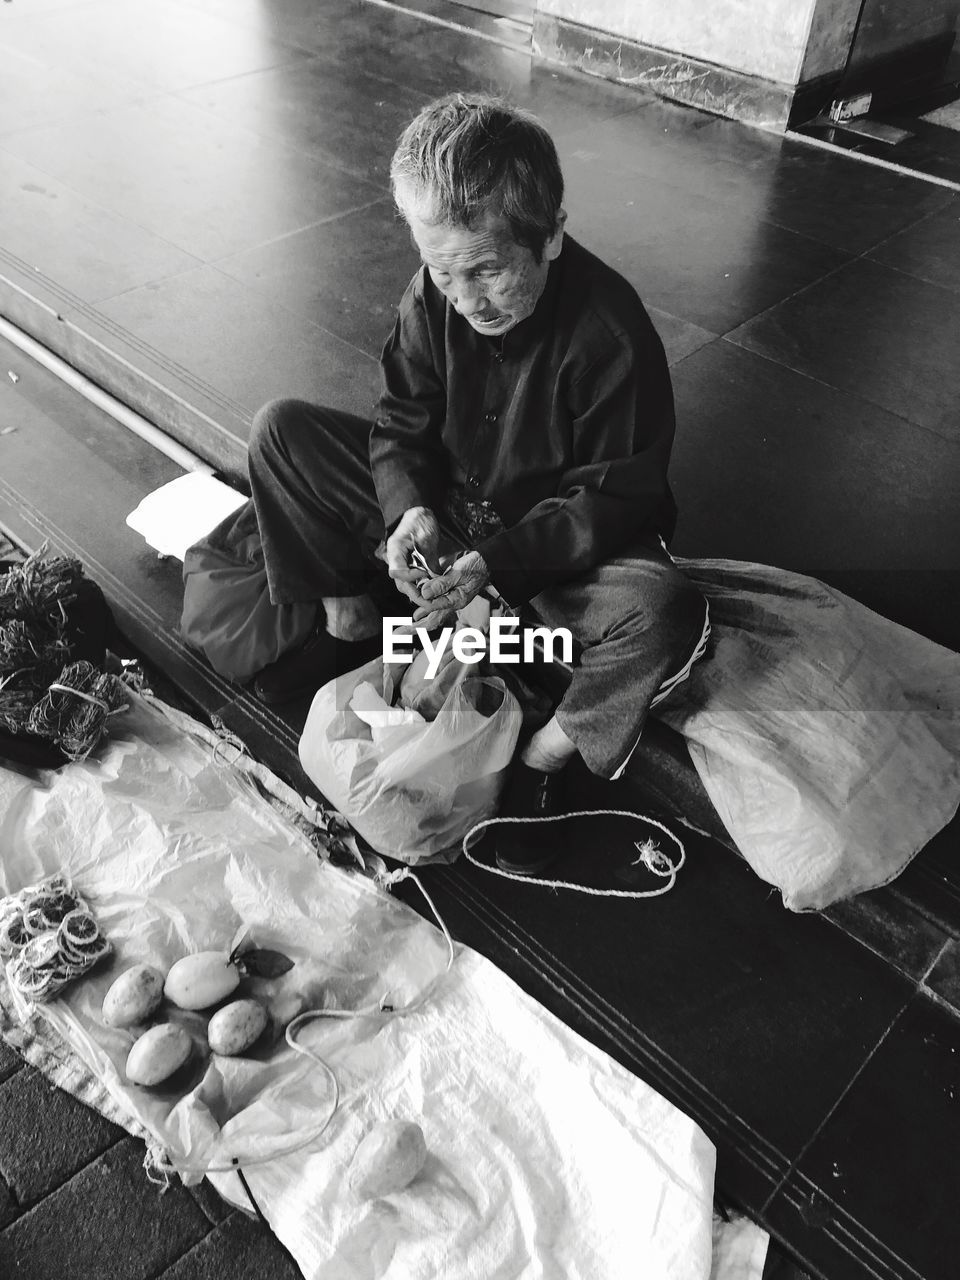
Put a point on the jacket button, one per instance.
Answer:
(473, 482)
(489, 417)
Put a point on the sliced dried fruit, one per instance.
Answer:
(79, 927)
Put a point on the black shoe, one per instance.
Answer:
(527, 848)
(302, 671)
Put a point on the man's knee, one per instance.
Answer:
(277, 427)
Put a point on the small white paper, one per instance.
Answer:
(180, 513)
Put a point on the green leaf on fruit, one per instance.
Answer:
(262, 963)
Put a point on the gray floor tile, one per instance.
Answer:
(33, 92)
(10, 1061)
(104, 254)
(685, 254)
(329, 109)
(680, 338)
(929, 249)
(107, 1223)
(876, 1192)
(9, 1209)
(46, 1136)
(156, 43)
(883, 335)
(753, 173)
(206, 186)
(240, 1249)
(245, 345)
(336, 29)
(347, 275)
(882, 922)
(772, 466)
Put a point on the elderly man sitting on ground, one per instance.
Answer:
(526, 418)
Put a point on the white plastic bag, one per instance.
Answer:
(827, 736)
(416, 793)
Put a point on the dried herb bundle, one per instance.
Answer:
(42, 693)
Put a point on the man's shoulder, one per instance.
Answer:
(599, 304)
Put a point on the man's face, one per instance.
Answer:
(487, 277)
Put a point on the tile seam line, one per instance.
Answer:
(276, 135)
(90, 200)
(214, 1227)
(910, 226)
(385, 198)
(172, 96)
(26, 1210)
(844, 1093)
(811, 284)
(901, 271)
(871, 949)
(801, 373)
(218, 264)
(936, 960)
(877, 161)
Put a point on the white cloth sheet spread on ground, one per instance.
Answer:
(827, 737)
(546, 1158)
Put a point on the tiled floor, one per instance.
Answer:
(200, 186)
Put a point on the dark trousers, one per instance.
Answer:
(638, 621)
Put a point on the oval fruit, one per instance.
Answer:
(134, 996)
(158, 1054)
(387, 1160)
(200, 980)
(235, 1027)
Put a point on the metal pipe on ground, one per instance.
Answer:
(121, 413)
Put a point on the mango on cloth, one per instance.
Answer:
(387, 1160)
(158, 1054)
(234, 1028)
(134, 996)
(200, 980)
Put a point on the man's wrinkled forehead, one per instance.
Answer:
(489, 237)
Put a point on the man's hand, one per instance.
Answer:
(454, 589)
(417, 528)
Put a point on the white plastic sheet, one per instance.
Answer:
(547, 1159)
(827, 737)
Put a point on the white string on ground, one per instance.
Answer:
(653, 858)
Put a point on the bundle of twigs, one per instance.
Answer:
(42, 693)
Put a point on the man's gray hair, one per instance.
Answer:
(468, 154)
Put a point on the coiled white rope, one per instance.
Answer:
(649, 853)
